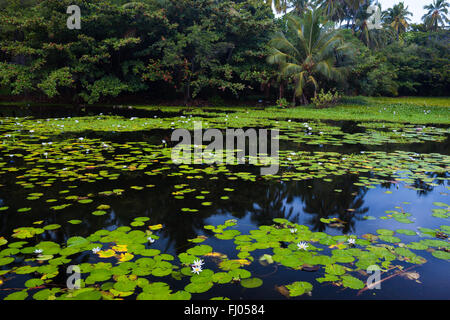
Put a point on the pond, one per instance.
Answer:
(357, 210)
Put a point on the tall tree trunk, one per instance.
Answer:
(305, 100)
(281, 91)
(295, 89)
(187, 93)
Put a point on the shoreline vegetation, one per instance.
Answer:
(414, 110)
(226, 53)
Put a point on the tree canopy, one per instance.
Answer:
(208, 49)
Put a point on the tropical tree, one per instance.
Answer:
(280, 6)
(333, 9)
(397, 18)
(300, 6)
(350, 9)
(436, 15)
(371, 37)
(308, 52)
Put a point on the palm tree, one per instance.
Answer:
(309, 51)
(436, 14)
(371, 37)
(354, 4)
(300, 6)
(352, 7)
(397, 18)
(280, 6)
(333, 9)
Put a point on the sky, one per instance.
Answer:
(414, 6)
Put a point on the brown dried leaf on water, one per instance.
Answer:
(411, 276)
(309, 268)
(242, 262)
(283, 291)
(441, 235)
(217, 257)
(370, 237)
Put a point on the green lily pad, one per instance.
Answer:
(21, 295)
(352, 282)
(251, 283)
(299, 288)
(198, 287)
(406, 232)
(441, 255)
(32, 283)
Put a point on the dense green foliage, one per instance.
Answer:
(214, 50)
(170, 46)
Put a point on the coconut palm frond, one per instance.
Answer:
(308, 52)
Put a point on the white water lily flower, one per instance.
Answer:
(150, 239)
(197, 263)
(293, 230)
(302, 245)
(96, 250)
(196, 269)
(38, 251)
(351, 241)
